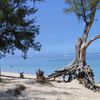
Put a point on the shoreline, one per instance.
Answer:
(30, 76)
(47, 64)
(14, 74)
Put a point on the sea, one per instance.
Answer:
(47, 63)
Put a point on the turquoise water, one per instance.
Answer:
(46, 63)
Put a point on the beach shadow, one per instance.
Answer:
(68, 88)
(37, 92)
(5, 81)
(40, 83)
(6, 96)
(37, 98)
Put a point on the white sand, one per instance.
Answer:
(48, 91)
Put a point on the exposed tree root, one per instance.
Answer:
(84, 74)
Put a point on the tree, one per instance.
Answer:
(17, 26)
(85, 10)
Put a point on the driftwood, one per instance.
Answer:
(40, 75)
(21, 75)
(84, 74)
(63, 72)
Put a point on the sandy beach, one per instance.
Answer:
(58, 40)
(34, 90)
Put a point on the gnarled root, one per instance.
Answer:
(83, 73)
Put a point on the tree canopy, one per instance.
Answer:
(84, 9)
(18, 27)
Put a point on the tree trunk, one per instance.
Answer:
(78, 46)
(82, 57)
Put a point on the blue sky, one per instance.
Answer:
(59, 31)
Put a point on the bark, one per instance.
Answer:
(83, 54)
(78, 46)
(86, 32)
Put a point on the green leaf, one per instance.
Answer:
(5, 1)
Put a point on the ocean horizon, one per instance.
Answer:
(47, 63)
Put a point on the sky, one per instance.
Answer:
(59, 31)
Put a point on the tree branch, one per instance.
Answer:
(84, 14)
(90, 22)
(86, 32)
(93, 39)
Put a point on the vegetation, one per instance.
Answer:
(18, 27)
